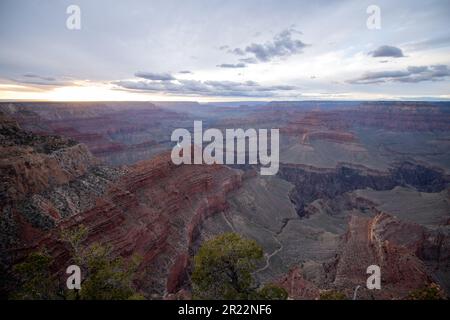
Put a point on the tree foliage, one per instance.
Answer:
(429, 292)
(272, 292)
(332, 295)
(35, 280)
(107, 277)
(223, 269)
(104, 276)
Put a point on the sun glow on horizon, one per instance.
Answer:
(89, 91)
(94, 92)
(85, 91)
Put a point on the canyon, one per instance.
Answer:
(359, 183)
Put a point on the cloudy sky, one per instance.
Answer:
(224, 50)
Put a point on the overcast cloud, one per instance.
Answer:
(245, 49)
(208, 88)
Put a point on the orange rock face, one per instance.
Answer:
(155, 211)
(387, 243)
(393, 245)
(297, 287)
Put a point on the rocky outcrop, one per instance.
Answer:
(388, 243)
(381, 240)
(116, 132)
(297, 287)
(43, 179)
(30, 163)
(324, 125)
(153, 209)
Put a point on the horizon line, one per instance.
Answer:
(227, 101)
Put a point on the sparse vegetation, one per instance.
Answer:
(35, 280)
(272, 292)
(429, 292)
(104, 277)
(332, 295)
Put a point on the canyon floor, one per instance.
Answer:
(359, 184)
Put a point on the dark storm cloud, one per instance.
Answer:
(207, 88)
(412, 74)
(231, 65)
(155, 76)
(282, 45)
(387, 51)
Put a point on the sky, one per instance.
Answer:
(224, 50)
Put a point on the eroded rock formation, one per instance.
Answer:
(388, 243)
(314, 183)
(153, 209)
